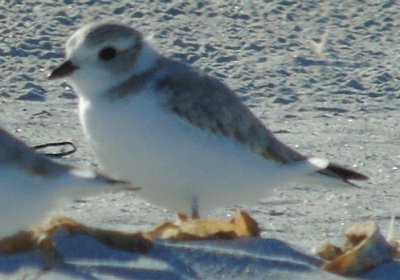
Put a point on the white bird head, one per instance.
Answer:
(101, 55)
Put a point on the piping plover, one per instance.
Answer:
(180, 134)
(31, 185)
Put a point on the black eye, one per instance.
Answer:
(107, 53)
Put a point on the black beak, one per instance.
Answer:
(64, 70)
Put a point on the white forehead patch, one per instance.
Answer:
(74, 42)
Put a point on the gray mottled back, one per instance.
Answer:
(211, 105)
(14, 152)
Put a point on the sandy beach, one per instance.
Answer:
(323, 75)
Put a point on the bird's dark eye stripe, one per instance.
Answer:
(108, 53)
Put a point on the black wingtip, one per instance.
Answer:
(111, 181)
(345, 173)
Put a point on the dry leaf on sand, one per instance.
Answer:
(365, 249)
(242, 225)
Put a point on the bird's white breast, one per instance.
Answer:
(137, 139)
(22, 204)
(27, 198)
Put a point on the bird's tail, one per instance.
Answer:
(344, 174)
(335, 174)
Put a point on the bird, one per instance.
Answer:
(32, 185)
(180, 134)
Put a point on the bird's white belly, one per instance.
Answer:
(22, 201)
(172, 160)
(26, 199)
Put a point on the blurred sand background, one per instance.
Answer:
(323, 75)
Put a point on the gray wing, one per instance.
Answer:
(14, 152)
(209, 104)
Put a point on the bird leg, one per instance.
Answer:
(195, 208)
